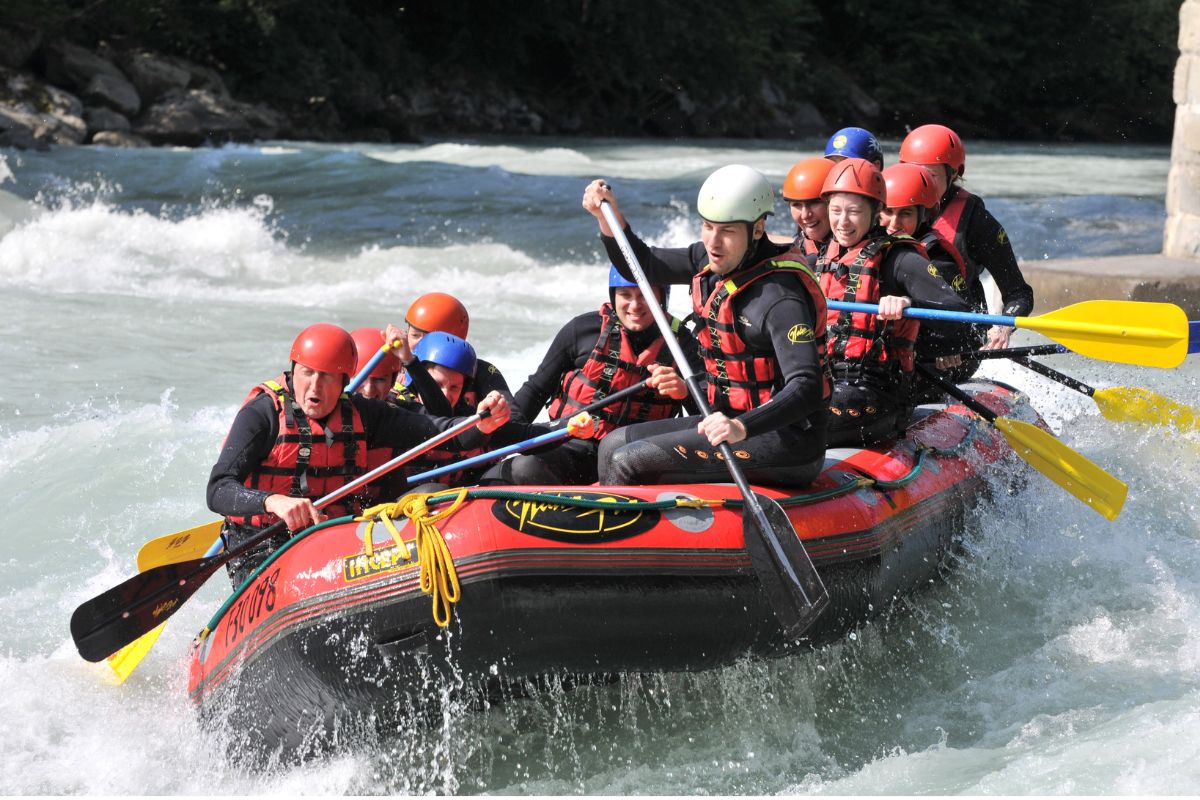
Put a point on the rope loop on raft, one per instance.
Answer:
(438, 577)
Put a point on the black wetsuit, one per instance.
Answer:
(572, 461)
(785, 442)
(251, 439)
(986, 246)
(868, 407)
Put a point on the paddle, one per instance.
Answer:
(783, 567)
(112, 620)
(1127, 331)
(1118, 403)
(1058, 462)
(1125, 403)
(499, 453)
(194, 542)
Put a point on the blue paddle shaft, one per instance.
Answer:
(491, 455)
(930, 313)
(358, 379)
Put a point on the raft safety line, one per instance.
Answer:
(440, 579)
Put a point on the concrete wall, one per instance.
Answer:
(1181, 239)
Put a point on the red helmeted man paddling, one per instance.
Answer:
(298, 437)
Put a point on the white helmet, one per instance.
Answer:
(735, 193)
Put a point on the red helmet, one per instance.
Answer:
(805, 179)
(856, 176)
(368, 341)
(909, 185)
(437, 311)
(934, 144)
(326, 348)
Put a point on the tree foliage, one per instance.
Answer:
(1022, 68)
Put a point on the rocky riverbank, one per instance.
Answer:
(72, 95)
(59, 93)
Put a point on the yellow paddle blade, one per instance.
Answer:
(175, 547)
(125, 660)
(1132, 404)
(1126, 331)
(1069, 469)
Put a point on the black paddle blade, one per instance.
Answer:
(793, 587)
(108, 622)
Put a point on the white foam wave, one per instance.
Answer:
(1034, 170)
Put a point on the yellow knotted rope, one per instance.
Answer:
(438, 578)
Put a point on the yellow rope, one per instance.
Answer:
(438, 578)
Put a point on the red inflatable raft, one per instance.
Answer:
(335, 632)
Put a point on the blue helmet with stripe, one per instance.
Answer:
(447, 350)
(855, 143)
(617, 281)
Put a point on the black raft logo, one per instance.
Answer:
(575, 524)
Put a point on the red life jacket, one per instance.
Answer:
(859, 341)
(611, 366)
(739, 378)
(308, 459)
(950, 229)
(810, 247)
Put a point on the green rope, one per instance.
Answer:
(229, 601)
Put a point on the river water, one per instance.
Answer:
(145, 291)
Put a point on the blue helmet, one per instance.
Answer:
(446, 350)
(854, 143)
(616, 280)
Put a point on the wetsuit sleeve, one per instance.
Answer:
(248, 444)
(799, 361)
(424, 386)
(661, 264)
(906, 272)
(988, 244)
(560, 358)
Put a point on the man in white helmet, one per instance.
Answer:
(761, 326)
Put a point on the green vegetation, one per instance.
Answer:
(1016, 69)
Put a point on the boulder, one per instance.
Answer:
(113, 91)
(35, 114)
(198, 116)
(17, 46)
(119, 139)
(100, 119)
(74, 67)
(154, 75)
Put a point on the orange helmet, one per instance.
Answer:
(909, 185)
(437, 311)
(856, 176)
(805, 179)
(934, 144)
(368, 341)
(326, 348)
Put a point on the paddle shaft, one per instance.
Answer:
(358, 379)
(1055, 375)
(786, 567)
(113, 619)
(536, 441)
(957, 393)
(1013, 352)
